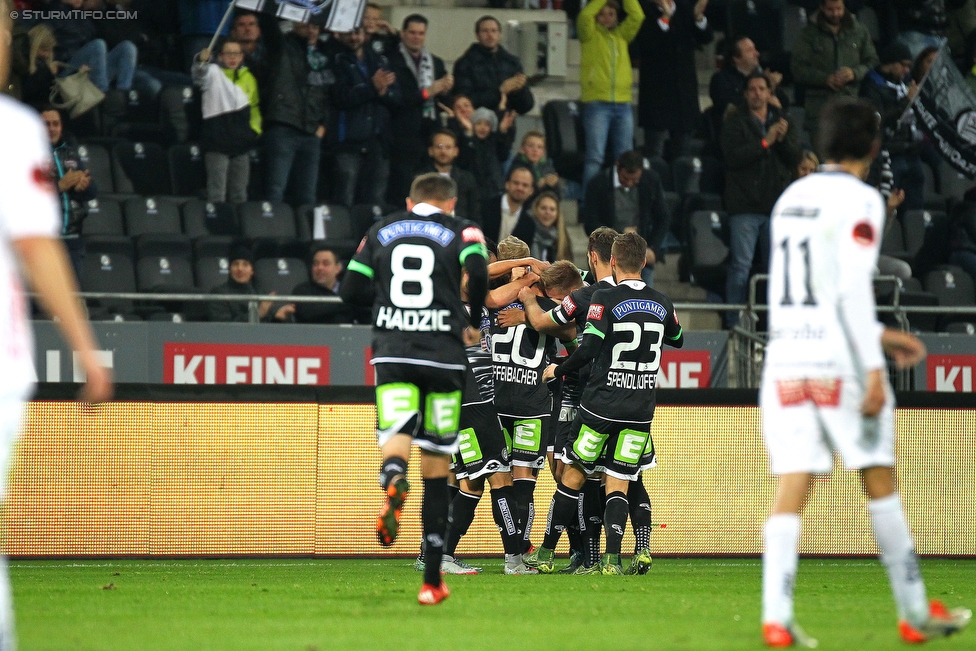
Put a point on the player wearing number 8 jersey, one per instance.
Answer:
(626, 327)
(408, 268)
(824, 387)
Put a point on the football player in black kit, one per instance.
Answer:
(408, 267)
(626, 327)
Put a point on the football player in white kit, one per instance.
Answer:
(824, 385)
(29, 220)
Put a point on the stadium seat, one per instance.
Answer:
(688, 206)
(565, 144)
(211, 266)
(364, 215)
(255, 183)
(338, 228)
(279, 275)
(161, 273)
(962, 328)
(212, 245)
(707, 252)
(687, 173)
(952, 184)
(663, 170)
(164, 244)
(266, 219)
(112, 110)
(104, 218)
(180, 113)
(140, 167)
(202, 218)
(954, 288)
(187, 170)
(926, 239)
(151, 215)
(713, 175)
(96, 160)
(164, 265)
(108, 267)
(893, 240)
(141, 107)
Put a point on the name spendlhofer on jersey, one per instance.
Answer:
(415, 263)
(825, 236)
(519, 355)
(633, 322)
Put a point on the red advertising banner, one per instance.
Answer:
(685, 369)
(244, 364)
(950, 373)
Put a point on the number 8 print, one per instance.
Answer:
(421, 276)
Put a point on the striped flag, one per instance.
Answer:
(334, 15)
(945, 108)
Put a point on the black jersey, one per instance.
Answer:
(574, 308)
(479, 361)
(415, 262)
(519, 355)
(626, 327)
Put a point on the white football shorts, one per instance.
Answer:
(805, 421)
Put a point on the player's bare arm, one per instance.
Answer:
(509, 292)
(541, 320)
(48, 271)
(905, 348)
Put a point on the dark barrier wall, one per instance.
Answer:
(292, 471)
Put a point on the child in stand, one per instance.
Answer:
(231, 121)
(532, 156)
(486, 149)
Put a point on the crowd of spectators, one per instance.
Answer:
(351, 118)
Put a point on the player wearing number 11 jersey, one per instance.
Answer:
(824, 386)
(626, 327)
(409, 268)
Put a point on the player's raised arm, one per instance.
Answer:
(357, 285)
(475, 260)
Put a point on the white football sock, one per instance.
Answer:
(780, 558)
(8, 640)
(898, 556)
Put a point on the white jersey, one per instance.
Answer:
(824, 238)
(28, 208)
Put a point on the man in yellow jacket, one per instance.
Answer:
(606, 79)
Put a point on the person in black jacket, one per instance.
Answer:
(295, 109)
(423, 82)
(629, 197)
(241, 283)
(508, 213)
(490, 75)
(761, 152)
(323, 281)
(78, 45)
(365, 92)
(442, 155)
(75, 185)
(885, 88)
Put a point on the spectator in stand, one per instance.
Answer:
(507, 214)
(381, 36)
(606, 79)
(365, 93)
(241, 283)
(826, 68)
(134, 29)
(962, 237)
(532, 156)
(323, 281)
(922, 23)
(485, 149)
(728, 84)
(246, 30)
(668, 99)
(34, 65)
(295, 109)
(761, 153)
(442, 154)
(629, 197)
(550, 240)
(460, 120)
(961, 29)
(808, 164)
(423, 81)
(490, 75)
(231, 121)
(885, 87)
(75, 185)
(78, 45)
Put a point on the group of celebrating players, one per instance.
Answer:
(470, 370)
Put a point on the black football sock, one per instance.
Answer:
(640, 514)
(592, 521)
(392, 467)
(502, 502)
(524, 487)
(434, 514)
(615, 520)
(462, 514)
(452, 491)
(563, 510)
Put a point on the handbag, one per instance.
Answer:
(75, 93)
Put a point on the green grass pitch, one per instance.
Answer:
(319, 605)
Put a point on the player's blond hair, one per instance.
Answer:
(562, 276)
(432, 187)
(512, 248)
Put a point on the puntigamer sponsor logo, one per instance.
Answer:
(430, 230)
